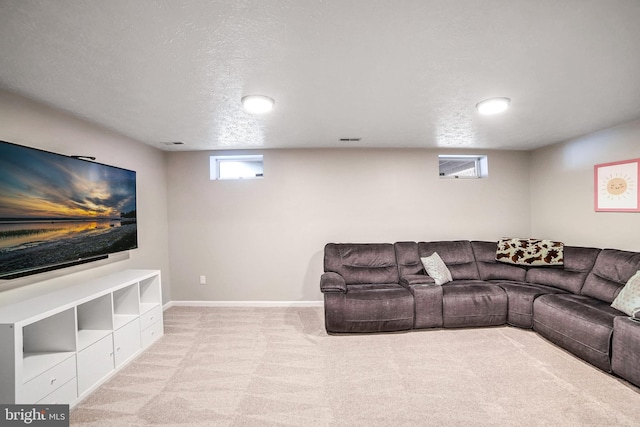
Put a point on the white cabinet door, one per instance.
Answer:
(126, 341)
(94, 363)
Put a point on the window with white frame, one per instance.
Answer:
(463, 166)
(236, 167)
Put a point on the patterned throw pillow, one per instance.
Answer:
(530, 252)
(628, 300)
(436, 268)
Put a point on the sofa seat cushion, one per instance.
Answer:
(578, 323)
(369, 308)
(521, 296)
(467, 303)
(376, 291)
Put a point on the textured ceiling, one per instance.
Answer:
(396, 73)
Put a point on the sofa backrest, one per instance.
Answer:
(490, 269)
(362, 263)
(457, 255)
(593, 272)
(408, 258)
(578, 262)
(612, 270)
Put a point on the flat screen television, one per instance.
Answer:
(57, 211)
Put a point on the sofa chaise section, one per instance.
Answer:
(361, 290)
(578, 323)
(583, 321)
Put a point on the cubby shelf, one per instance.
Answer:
(59, 347)
(95, 320)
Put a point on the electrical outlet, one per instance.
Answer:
(203, 280)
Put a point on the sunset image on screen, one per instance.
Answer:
(55, 209)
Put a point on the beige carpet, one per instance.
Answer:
(277, 367)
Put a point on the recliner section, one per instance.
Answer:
(467, 301)
(362, 290)
(384, 288)
(578, 323)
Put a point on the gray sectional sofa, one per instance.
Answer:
(384, 287)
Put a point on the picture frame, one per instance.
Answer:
(616, 186)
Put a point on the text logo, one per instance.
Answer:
(34, 415)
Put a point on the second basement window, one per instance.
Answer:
(236, 167)
(463, 166)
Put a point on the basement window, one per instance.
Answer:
(236, 167)
(463, 166)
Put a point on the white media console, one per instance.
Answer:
(60, 346)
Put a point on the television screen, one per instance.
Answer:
(57, 211)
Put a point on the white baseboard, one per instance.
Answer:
(243, 304)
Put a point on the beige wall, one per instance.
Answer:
(562, 198)
(31, 124)
(263, 239)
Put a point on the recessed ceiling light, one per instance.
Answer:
(493, 105)
(257, 104)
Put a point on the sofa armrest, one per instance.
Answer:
(416, 279)
(332, 282)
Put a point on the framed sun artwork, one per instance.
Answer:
(616, 186)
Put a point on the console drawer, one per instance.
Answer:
(150, 317)
(65, 394)
(152, 333)
(48, 381)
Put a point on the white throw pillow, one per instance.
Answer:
(436, 268)
(628, 300)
